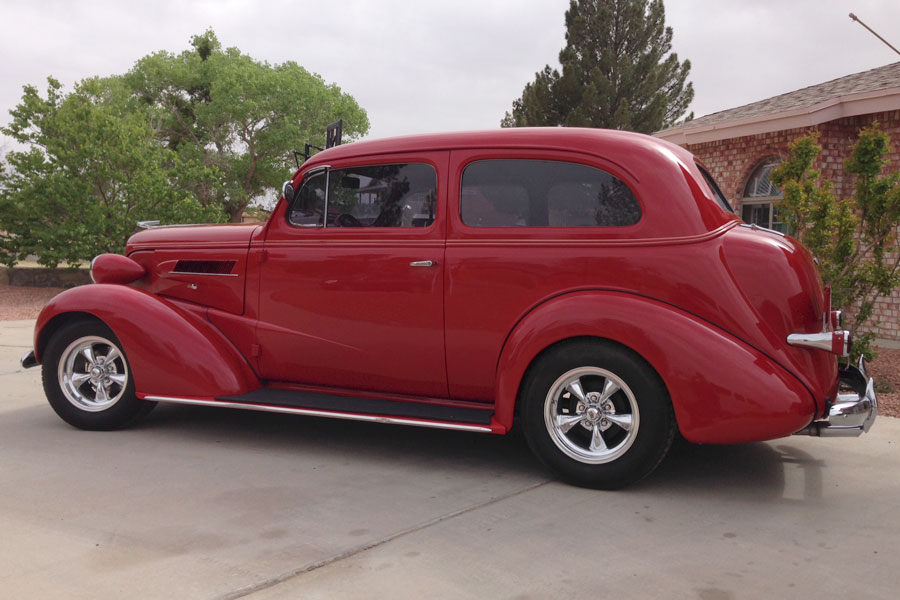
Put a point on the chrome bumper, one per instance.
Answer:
(855, 408)
(28, 360)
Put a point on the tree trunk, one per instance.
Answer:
(234, 214)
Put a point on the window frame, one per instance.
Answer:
(316, 170)
(772, 201)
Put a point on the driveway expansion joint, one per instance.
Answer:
(279, 579)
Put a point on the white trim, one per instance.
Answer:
(760, 199)
(290, 410)
(851, 105)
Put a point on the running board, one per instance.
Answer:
(474, 415)
(489, 427)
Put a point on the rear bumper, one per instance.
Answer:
(855, 408)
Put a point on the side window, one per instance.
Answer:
(544, 193)
(309, 203)
(400, 195)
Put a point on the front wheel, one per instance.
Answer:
(87, 378)
(596, 414)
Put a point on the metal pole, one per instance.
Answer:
(855, 18)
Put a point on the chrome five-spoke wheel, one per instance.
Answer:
(596, 413)
(87, 377)
(92, 373)
(591, 415)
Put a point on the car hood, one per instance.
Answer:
(193, 236)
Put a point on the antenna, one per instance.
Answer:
(872, 31)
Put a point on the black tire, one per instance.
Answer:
(79, 401)
(635, 422)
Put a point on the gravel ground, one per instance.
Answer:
(886, 371)
(23, 302)
(26, 302)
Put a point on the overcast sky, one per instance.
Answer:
(422, 65)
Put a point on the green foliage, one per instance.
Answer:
(259, 212)
(90, 170)
(193, 137)
(854, 239)
(618, 72)
(240, 115)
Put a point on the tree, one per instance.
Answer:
(854, 239)
(240, 115)
(90, 169)
(618, 72)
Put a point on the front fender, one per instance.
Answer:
(171, 351)
(722, 390)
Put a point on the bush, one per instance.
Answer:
(855, 238)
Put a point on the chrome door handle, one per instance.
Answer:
(422, 263)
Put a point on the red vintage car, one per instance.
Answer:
(594, 284)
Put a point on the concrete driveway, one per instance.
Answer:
(203, 503)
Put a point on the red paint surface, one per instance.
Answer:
(115, 268)
(723, 390)
(172, 349)
(706, 303)
(224, 292)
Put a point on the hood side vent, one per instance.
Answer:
(204, 267)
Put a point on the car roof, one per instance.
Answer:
(667, 182)
(583, 139)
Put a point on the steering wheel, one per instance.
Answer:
(347, 220)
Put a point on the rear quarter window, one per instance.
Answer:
(544, 193)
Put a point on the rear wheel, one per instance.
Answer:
(596, 414)
(87, 378)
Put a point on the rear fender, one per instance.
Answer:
(171, 351)
(722, 390)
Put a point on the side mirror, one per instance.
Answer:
(288, 191)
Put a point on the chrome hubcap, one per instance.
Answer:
(602, 405)
(92, 373)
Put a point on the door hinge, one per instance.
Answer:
(254, 350)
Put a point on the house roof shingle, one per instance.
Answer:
(872, 80)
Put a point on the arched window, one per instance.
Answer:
(759, 204)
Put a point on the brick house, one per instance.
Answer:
(741, 146)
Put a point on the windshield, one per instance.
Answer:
(714, 188)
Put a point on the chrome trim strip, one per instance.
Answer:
(289, 410)
(325, 214)
(91, 270)
(206, 274)
(756, 227)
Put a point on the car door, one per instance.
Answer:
(351, 292)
